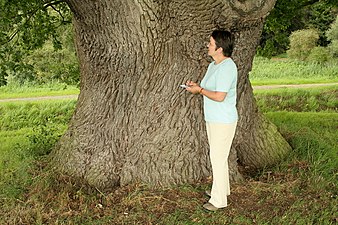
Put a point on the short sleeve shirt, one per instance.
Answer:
(221, 77)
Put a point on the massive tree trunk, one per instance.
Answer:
(132, 122)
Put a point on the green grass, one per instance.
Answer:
(15, 163)
(317, 99)
(284, 71)
(17, 115)
(313, 137)
(28, 131)
(30, 90)
(302, 189)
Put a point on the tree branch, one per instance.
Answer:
(33, 12)
(47, 4)
(57, 10)
(245, 8)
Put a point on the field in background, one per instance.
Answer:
(34, 90)
(264, 72)
(302, 189)
(316, 99)
(284, 71)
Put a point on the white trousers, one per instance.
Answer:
(220, 138)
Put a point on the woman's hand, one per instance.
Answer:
(191, 83)
(193, 87)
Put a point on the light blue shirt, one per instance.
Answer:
(223, 78)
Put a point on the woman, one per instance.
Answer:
(218, 88)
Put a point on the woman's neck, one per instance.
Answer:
(219, 58)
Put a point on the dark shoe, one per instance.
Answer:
(208, 192)
(210, 207)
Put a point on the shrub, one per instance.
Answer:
(332, 33)
(319, 55)
(301, 43)
(333, 48)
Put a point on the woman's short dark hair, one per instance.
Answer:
(225, 40)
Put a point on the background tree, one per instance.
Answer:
(50, 64)
(304, 45)
(332, 35)
(289, 16)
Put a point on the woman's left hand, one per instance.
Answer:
(193, 87)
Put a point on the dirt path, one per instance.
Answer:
(263, 87)
(39, 98)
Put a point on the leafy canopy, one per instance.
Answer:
(288, 16)
(25, 26)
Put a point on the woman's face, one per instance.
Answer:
(212, 47)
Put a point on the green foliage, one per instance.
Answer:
(54, 65)
(288, 16)
(44, 137)
(15, 90)
(27, 114)
(319, 55)
(319, 16)
(48, 64)
(332, 33)
(301, 43)
(313, 138)
(281, 19)
(15, 163)
(333, 48)
(273, 45)
(25, 26)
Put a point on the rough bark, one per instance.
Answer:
(132, 121)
